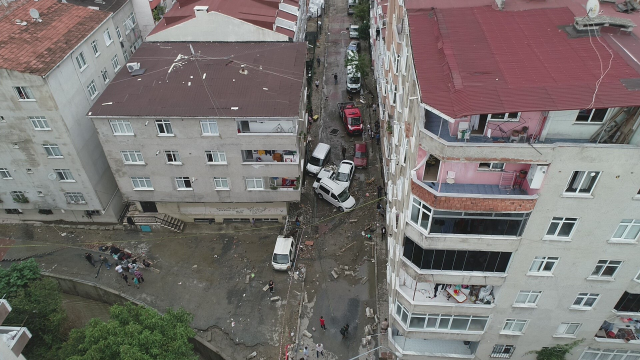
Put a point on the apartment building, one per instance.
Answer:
(13, 338)
(511, 160)
(207, 131)
(55, 59)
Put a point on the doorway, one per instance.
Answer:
(482, 124)
(148, 206)
(431, 169)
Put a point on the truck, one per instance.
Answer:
(351, 117)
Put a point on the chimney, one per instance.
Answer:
(200, 10)
(500, 4)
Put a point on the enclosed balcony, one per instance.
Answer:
(621, 329)
(270, 156)
(262, 127)
(433, 347)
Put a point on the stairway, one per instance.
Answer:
(165, 220)
(506, 180)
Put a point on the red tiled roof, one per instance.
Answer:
(480, 60)
(39, 46)
(175, 85)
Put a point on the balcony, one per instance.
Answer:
(621, 330)
(441, 348)
(270, 156)
(266, 127)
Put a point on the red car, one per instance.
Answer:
(360, 157)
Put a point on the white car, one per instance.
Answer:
(353, 32)
(345, 173)
(324, 173)
(336, 194)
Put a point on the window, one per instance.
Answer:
(441, 322)
(420, 213)
(45, 211)
(591, 115)
(93, 91)
(64, 175)
(527, 298)
(628, 303)
(215, 156)
(115, 63)
(4, 172)
(628, 230)
(94, 47)
(141, 183)
(118, 33)
(74, 198)
(209, 127)
(173, 157)
(164, 128)
(502, 351)
(585, 300)
(455, 260)
(121, 127)
(81, 61)
(514, 326)
(254, 183)
(39, 122)
(105, 75)
(23, 93)
(19, 197)
(606, 269)
(568, 329)
(609, 354)
(561, 227)
(504, 117)
(543, 265)
(582, 182)
(132, 157)
(13, 211)
(39, 193)
(107, 37)
(53, 150)
(183, 183)
(221, 183)
(491, 166)
(130, 23)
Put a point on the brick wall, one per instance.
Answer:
(471, 204)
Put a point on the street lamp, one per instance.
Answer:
(379, 347)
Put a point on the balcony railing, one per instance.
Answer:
(270, 156)
(624, 329)
(281, 127)
(443, 348)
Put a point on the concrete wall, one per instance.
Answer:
(214, 26)
(136, 35)
(144, 15)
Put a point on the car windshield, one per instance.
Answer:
(360, 154)
(344, 195)
(315, 161)
(342, 176)
(354, 121)
(281, 258)
(354, 80)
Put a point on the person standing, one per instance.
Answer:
(271, 286)
(317, 84)
(380, 210)
(119, 269)
(89, 258)
(138, 276)
(305, 352)
(322, 326)
(377, 138)
(105, 261)
(319, 350)
(383, 231)
(318, 60)
(335, 78)
(125, 278)
(380, 188)
(297, 221)
(344, 152)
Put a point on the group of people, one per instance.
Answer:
(126, 265)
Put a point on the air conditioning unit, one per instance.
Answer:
(133, 66)
(536, 175)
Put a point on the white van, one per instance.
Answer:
(283, 253)
(318, 158)
(353, 79)
(336, 194)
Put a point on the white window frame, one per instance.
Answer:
(564, 329)
(256, 183)
(52, 151)
(118, 33)
(505, 119)
(183, 183)
(23, 93)
(498, 351)
(121, 127)
(584, 176)
(141, 183)
(530, 294)
(603, 265)
(92, 89)
(588, 121)
(18, 196)
(64, 175)
(511, 325)
(115, 62)
(81, 61)
(172, 157)
(129, 23)
(105, 75)
(443, 322)
(607, 354)
(5, 174)
(628, 224)
(585, 297)
(217, 156)
(132, 157)
(543, 261)
(125, 54)
(208, 127)
(39, 123)
(107, 37)
(221, 183)
(493, 166)
(94, 47)
(561, 221)
(74, 197)
(164, 127)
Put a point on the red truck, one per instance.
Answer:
(351, 117)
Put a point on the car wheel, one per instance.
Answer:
(341, 209)
(320, 196)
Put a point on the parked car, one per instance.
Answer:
(351, 5)
(324, 173)
(354, 45)
(353, 32)
(318, 158)
(336, 194)
(283, 253)
(360, 159)
(345, 173)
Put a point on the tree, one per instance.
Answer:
(133, 332)
(361, 11)
(18, 276)
(360, 63)
(363, 31)
(158, 12)
(557, 352)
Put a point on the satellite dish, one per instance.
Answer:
(35, 15)
(52, 176)
(593, 8)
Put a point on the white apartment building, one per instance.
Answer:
(207, 131)
(55, 59)
(513, 209)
